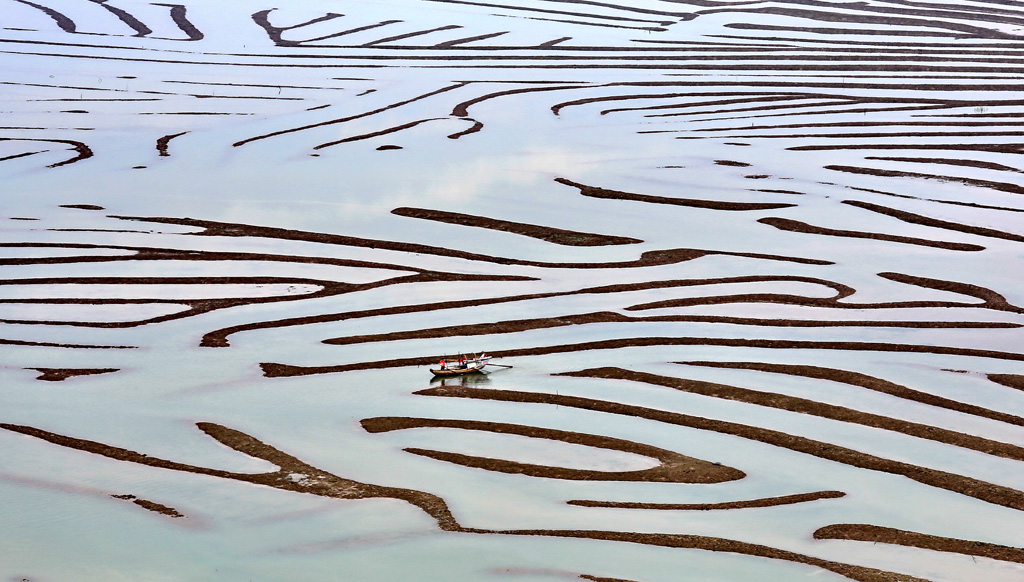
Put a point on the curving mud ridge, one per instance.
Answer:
(746, 504)
(887, 535)
(647, 259)
(193, 307)
(557, 236)
(810, 407)
(1009, 380)
(913, 218)
(277, 370)
(805, 228)
(868, 382)
(672, 468)
(968, 486)
(518, 325)
(595, 192)
(151, 505)
(82, 151)
(300, 477)
(60, 374)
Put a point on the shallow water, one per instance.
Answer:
(201, 231)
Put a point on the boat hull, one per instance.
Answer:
(457, 371)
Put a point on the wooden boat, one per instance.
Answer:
(462, 366)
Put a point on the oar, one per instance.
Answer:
(498, 365)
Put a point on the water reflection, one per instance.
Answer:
(478, 380)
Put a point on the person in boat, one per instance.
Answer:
(444, 365)
(462, 362)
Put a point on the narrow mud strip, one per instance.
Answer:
(672, 468)
(938, 200)
(968, 486)
(218, 338)
(62, 21)
(868, 382)
(594, 192)
(178, 16)
(476, 127)
(898, 124)
(546, 233)
(997, 148)
(297, 476)
(988, 298)
(262, 19)
(1009, 380)
(842, 110)
(151, 505)
(25, 343)
(619, 8)
(774, 111)
(406, 35)
(161, 144)
(887, 535)
(518, 325)
(497, 327)
(811, 408)
(859, 573)
(21, 155)
(292, 474)
(60, 374)
(991, 299)
(82, 151)
(734, 100)
(648, 258)
(975, 182)
(469, 39)
(351, 117)
(192, 307)
(746, 504)
(805, 228)
(967, 163)
(882, 135)
(379, 133)
(551, 573)
(276, 370)
(867, 18)
(557, 108)
(127, 18)
(141, 253)
(913, 218)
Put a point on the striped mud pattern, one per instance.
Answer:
(754, 266)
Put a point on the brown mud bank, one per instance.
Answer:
(297, 476)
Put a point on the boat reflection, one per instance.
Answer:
(474, 380)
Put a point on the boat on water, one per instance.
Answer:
(463, 365)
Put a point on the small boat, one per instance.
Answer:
(464, 365)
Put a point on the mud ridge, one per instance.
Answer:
(518, 325)
(297, 476)
(967, 486)
(277, 370)
(888, 535)
(672, 468)
(867, 382)
(913, 218)
(60, 374)
(553, 235)
(809, 407)
(804, 228)
(151, 505)
(746, 504)
(594, 192)
(1015, 381)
